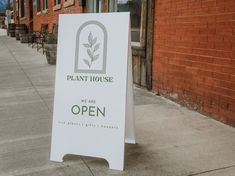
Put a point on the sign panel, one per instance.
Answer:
(93, 102)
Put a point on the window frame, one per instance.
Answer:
(39, 7)
(57, 2)
(22, 8)
(92, 6)
(44, 5)
(112, 7)
(68, 3)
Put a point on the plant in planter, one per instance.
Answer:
(50, 47)
(26, 38)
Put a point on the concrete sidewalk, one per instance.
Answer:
(3, 32)
(172, 141)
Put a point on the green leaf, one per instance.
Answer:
(87, 62)
(97, 46)
(86, 45)
(94, 41)
(89, 53)
(95, 57)
(90, 38)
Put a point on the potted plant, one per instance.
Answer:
(50, 47)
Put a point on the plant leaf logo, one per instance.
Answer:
(92, 48)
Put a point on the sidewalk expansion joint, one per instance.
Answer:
(19, 65)
(212, 170)
(87, 166)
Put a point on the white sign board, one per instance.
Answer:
(93, 105)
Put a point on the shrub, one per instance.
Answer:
(51, 38)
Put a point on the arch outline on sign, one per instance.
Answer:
(77, 50)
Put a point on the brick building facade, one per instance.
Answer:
(43, 13)
(194, 55)
(188, 54)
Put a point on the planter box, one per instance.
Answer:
(17, 36)
(26, 38)
(51, 50)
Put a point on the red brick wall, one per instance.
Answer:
(15, 11)
(50, 16)
(194, 55)
(21, 20)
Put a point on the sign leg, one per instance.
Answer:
(57, 156)
(129, 126)
(116, 164)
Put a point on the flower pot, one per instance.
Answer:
(50, 50)
(20, 29)
(11, 29)
(26, 38)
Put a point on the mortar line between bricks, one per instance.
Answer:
(212, 170)
(87, 166)
(28, 78)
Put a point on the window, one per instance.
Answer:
(57, 2)
(57, 5)
(137, 9)
(94, 6)
(22, 8)
(38, 5)
(44, 4)
(134, 7)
